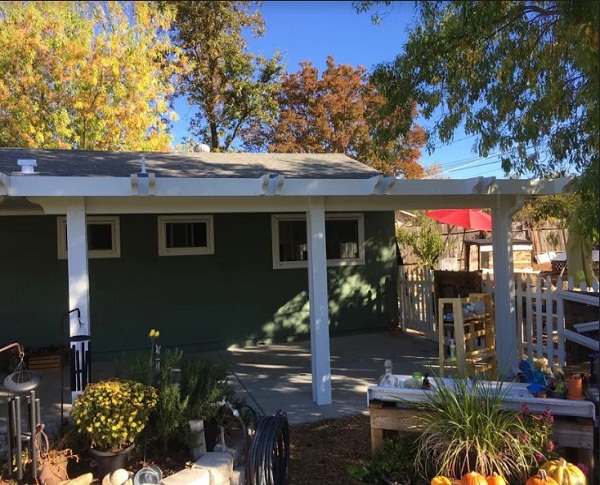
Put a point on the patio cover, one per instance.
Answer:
(79, 183)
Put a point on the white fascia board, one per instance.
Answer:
(36, 186)
(533, 186)
(447, 187)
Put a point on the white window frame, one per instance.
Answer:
(113, 221)
(163, 250)
(276, 218)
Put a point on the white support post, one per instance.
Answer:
(79, 284)
(319, 302)
(504, 286)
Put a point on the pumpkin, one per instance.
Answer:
(495, 479)
(564, 473)
(473, 478)
(440, 480)
(541, 478)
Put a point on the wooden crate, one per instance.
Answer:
(44, 362)
(474, 337)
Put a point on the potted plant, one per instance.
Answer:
(112, 413)
(206, 386)
(52, 458)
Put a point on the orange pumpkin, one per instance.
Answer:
(440, 480)
(541, 478)
(473, 478)
(564, 473)
(495, 479)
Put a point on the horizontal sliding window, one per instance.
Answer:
(344, 234)
(185, 235)
(103, 237)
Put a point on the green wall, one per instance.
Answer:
(197, 302)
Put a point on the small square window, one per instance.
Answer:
(103, 238)
(344, 234)
(185, 235)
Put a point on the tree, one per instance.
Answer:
(230, 87)
(84, 75)
(339, 113)
(426, 242)
(522, 75)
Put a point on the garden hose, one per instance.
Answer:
(268, 460)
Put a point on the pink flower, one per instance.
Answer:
(538, 457)
(523, 438)
(551, 446)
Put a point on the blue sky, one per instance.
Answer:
(313, 30)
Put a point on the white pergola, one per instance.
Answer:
(145, 192)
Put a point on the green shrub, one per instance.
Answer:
(206, 384)
(394, 460)
(169, 421)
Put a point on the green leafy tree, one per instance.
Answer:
(85, 75)
(340, 111)
(426, 243)
(230, 87)
(522, 75)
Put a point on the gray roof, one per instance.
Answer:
(69, 163)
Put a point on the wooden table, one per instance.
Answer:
(573, 428)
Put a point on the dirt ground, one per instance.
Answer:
(319, 453)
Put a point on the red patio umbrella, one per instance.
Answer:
(469, 218)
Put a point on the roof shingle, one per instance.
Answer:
(69, 163)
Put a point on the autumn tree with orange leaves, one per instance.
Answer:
(85, 75)
(339, 112)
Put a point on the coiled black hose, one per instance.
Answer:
(268, 460)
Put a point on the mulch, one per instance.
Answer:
(320, 453)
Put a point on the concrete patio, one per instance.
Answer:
(278, 377)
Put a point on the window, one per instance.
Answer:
(103, 237)
(344, 235)
(185, 235)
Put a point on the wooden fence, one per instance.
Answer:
(539, 310)
(416, 301)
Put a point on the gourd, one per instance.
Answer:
(412, 383)
(564, 473)
(440, 480)
(541, 478)
(473, 478)
(495, 479)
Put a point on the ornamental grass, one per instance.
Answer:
(466, 428)
(112, 413)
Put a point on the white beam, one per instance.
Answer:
(319, 303)
(504, 285)
(38, 186)
(79, 284)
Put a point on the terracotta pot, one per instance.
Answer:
(108, 462)
(575, 387)
(54, 470)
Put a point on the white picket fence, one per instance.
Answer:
(416, 301)
(539, 310)
(541, 319)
